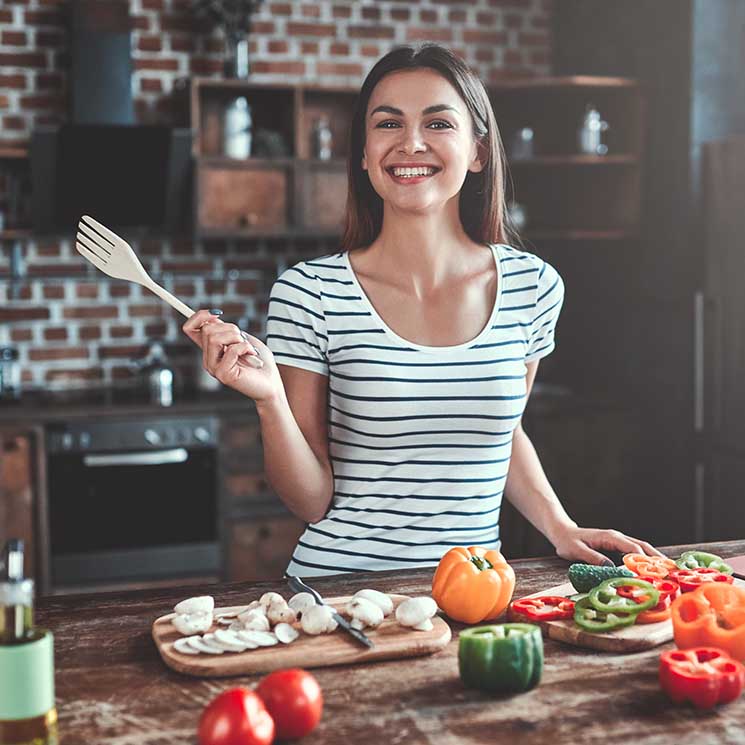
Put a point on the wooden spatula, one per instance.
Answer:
(115, 257)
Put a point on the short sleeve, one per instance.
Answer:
(296, 325)
(549, 299)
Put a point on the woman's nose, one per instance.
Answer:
(412, 141)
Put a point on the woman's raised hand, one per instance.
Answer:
(225, 352)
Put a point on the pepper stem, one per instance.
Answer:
(481, 563)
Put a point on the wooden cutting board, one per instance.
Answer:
(337, 648)
(634, 638)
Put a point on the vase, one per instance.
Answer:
(236, 57)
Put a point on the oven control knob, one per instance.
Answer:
(152, 437)
(202, 434)
(85, 440)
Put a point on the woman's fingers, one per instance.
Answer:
(228, 369)
(216, 339)
(194, 324)
(583, 553)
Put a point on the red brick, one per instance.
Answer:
(13, 122)
(23, 59)
(279, 68)
(156, 329)
(311, 29)
(369, 50)
(53, 292)
(149, 44)
(205, 65)
(177, 22)
(105, 352)
(120, 290)
(21, 335)
(429, 34)
(60, 376)
(485, 54)
(91, 311)
(513, 3)
(49, 81)
(512, 57)
(310, 11)
(263, 27)
(49, 101)
(50, 120)
(181, 43)
(428, 16)
(121, 332)
(371, 13)
(370, 32)
(16, 82)
(55, 334)
(87, 290)
(403, 14)
(23, 314)
(485, 37)
(247, 286)
(309, 47)
(145, 309)
(151, 85)
(339, 49)
(140, 23)
(486, 19)
(341, 11)
(6, 16)
(153, 4)
(532, 39)
(43, 18)
(280, 9)
(58, 353)
(457, 16)
(14, 38)
(49, 249)
(184, 288)
(278, 46)
(513, 20)
(89, 333)
(540, 22)
(164, 64)
(50, 39)
(540, 57)
(4, 102)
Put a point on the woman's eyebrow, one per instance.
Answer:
(428, 110)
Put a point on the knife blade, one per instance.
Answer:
(297, 585)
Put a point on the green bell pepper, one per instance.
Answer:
(501, 658)
(606, 597)
(591, 619)
(695, 559)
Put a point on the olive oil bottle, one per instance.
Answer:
(27, 712)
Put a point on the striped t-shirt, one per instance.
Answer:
(419, 437)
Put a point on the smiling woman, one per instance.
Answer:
(397, 370)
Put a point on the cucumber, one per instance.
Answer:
(586, 576)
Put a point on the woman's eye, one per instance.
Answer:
(441, 124)
(387, 124)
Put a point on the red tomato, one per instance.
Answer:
(236, 717)
(293, 698)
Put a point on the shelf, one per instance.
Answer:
(15, 235)
(13, 153)
(280, 232)
(578, 235)
(567, 81)
(225, 161)
(575, 160)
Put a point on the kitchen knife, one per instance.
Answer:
(297, 585)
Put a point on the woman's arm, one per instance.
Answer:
(529, 490)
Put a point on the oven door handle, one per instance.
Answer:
(159, 458)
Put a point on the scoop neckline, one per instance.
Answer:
(423, 347)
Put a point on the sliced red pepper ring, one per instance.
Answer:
(544, 608)
(651, 566)
(705, 676)
(690, 579)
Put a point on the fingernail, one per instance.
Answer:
(607, 563)
(216, 311)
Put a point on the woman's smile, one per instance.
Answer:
(407, 175)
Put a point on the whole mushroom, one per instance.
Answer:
(379, 598)
(318, 620)
(364, 613)
(416, 613)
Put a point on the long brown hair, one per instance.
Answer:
(482, 203)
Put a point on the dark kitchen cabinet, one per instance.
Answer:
(260, 548)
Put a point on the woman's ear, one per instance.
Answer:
(480, 158)
(364, 161)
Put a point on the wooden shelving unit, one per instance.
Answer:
(14, 161)
(568, 195)
(286, 192)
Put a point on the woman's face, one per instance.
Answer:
(419, 142)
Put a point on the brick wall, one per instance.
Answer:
(74, 328)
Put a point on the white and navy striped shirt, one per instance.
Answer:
(419, 437)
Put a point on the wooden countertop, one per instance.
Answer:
(112, 686)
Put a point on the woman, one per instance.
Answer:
(391, 400)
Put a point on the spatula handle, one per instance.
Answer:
(174, 302)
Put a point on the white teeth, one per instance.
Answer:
(411, 172)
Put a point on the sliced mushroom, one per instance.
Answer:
(183, 645)
(318, 620)
(301, 602)
(192, 623)
(229, 641)
(246, 638)
(379, 598)
(364, 613)
(260, 638)
(258, 622)
(201, 604)
(269, 598)
(416, 613)
(202, 646)
(286, 633)
(281, 613)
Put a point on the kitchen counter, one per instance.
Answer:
(113, 687)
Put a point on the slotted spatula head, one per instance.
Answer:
(108, 252)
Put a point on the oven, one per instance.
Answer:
(133, 499)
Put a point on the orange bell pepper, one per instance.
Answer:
(651, 566)
(473, 584)
(711, 616)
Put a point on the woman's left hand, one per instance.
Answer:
(579, 544)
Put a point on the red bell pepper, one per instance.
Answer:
(544, 608)
(690, 579)
(668, 590)
(705, 676)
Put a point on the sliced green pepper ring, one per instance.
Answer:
(591, 619)
(696, 559)
(605, 596)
